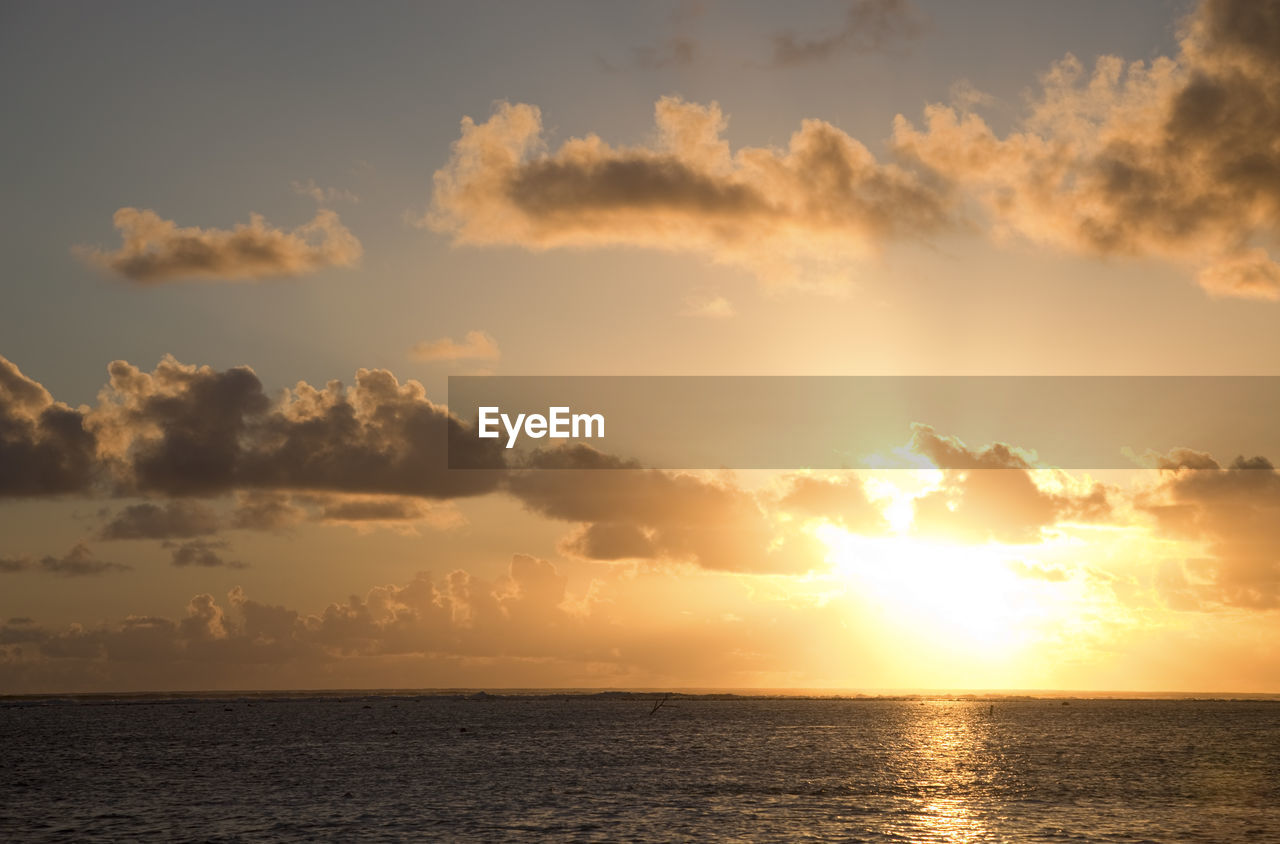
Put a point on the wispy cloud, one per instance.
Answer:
(477, 345)
(869, 25)
(708, 306)
(323, 196)
(78, 562)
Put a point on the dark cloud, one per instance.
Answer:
(265, 510)
(183, 430)
(203, 553)
(869, 25)
(611, 541)
(372, 509)
(78, 562)
(156, 250)
(179, 519)
(44, 446)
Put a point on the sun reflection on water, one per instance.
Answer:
(948, 742)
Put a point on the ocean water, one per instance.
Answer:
(604, 768)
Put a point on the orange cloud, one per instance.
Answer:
(477, 345)
(990, 494)
(156, 250)
(822, 200)
(1233, 512)
(1174, 159)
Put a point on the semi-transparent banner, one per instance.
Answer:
(854, 422)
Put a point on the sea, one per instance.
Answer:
(637, 767)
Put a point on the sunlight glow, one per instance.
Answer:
(969, 598)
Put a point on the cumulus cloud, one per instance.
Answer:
(1173, 158)
(477, 345)
(517, 614)
(1233, 512)
(625, 512)
(187, 430)
(78, 562)
(155, 250)
(45, 448)
(822, 200)
(869, 25)
(990, 493)
(522, 627)
(841, 500)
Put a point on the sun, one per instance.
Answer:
(965, 608)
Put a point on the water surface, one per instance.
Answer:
(603, 768)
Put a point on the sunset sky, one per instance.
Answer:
(247, 244)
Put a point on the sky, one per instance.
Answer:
(246, 246)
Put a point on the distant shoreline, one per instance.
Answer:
(481, 695)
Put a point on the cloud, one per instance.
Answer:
(156, 250)
(265, 510)
(869, 25)
(633, 513)
(710, 307)
(78, 562)
(12, 565)
(1174, 159)
(478, 345)
(185, 430)
(321, 195)
(611, 541)
(516, 614)
(522, 627)
(1171, 159)
(1034, 571)
(397, 512)
(178, 519)
(45, 448)
(812, 206)
(203, 553)
(679, 51)
(1233, 512)
(839, 499)
(990, 494)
